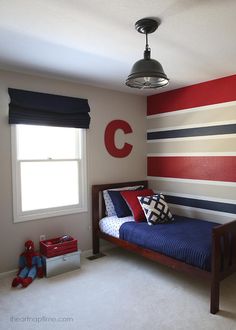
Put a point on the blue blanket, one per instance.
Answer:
(184, 239)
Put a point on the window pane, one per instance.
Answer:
(45, 142)
(49, 184)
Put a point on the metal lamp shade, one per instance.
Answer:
(146, 74)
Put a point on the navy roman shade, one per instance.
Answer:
(35, 108)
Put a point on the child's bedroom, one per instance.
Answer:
(117, 164)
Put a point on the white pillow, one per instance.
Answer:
(110, 209)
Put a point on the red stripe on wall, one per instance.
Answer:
(199, 168)
(206, 93)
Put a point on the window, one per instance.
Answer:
(49, 171)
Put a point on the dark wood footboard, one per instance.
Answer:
(223, 261)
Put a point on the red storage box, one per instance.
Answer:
(57, 246)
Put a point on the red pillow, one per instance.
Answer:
(133, 202)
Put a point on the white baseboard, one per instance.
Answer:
(8, 273)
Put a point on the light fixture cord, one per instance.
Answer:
(147, 46)
(147, 51)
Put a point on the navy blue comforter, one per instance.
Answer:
(184, 239)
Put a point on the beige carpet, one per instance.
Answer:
(118, 291)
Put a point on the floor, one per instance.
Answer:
(119, 291)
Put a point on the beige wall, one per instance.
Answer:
(105, 106)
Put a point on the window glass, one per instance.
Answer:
(49, 184)
(45, 142)
(49, 171)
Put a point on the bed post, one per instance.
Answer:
(96, 244)
(215, 270)
(95, 220)
(215, 296)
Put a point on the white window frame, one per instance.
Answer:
(21, 216)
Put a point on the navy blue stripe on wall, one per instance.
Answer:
(202, 204)
(189, 132)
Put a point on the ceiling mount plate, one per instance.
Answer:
(146, 25)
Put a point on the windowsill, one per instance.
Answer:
(47, 214)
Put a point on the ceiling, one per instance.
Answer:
(94, 42)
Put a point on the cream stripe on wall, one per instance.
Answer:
(195, 109)
(219, 144)
(209, 215)
(199, 212)
(197, 125)
(193, 181)
(208, 117)
(193, 187)
(200, 197)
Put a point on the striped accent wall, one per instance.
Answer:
(191, 149)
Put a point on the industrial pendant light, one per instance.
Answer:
(147, 73)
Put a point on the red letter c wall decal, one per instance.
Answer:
(109, 137)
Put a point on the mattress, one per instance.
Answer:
(185, 239)
(111, 225)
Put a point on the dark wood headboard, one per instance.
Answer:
(98, 205)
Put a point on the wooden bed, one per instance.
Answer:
(223, 262)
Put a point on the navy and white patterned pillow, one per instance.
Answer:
(155, 209)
